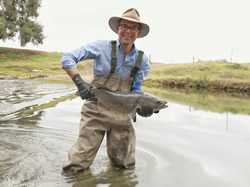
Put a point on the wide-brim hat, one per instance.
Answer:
(131, 15)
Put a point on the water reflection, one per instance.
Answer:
(226, 114)
(237, 103)
(111, 177)
(23, 102)
(28, 150)
(225, 103)
(198, 141)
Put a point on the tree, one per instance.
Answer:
(19, 17)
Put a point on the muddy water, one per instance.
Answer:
(179, 147)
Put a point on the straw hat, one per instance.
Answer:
(131, 15)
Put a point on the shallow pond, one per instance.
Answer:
(182, 146)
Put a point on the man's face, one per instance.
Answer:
(128, 36)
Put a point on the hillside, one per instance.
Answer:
(213, 75)
(25, 64)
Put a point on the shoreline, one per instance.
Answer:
(214, 86)
(208, 75)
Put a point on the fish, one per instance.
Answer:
(126, 102)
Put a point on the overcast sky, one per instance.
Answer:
(179, 29)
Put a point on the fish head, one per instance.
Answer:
(160, 104)
(155, 102)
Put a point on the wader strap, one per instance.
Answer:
(113, 57)
(138, 64)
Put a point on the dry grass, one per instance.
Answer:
(22, 63)
(218, 75)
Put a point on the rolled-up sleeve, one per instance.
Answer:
(141, 75)
(89, 51)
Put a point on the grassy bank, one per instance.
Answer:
(215, 75)
(30, 63)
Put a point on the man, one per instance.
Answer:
(119, 66)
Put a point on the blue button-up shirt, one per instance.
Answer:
(100, 51)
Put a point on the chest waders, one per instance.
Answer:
(96, 120)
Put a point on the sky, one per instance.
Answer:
(180, 30)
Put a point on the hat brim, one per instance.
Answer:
(114, 21)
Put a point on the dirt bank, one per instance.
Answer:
(218, 85)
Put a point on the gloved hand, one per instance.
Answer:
(145, 111)
(83, 87)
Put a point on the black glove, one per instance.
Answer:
(145, 111)
(83, 87)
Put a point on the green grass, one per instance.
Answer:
(21, 63)
(211, 75)
(204, 71)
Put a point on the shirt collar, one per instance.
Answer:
(119, 46)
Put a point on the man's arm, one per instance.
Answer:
(71, 72)
(69, 64)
